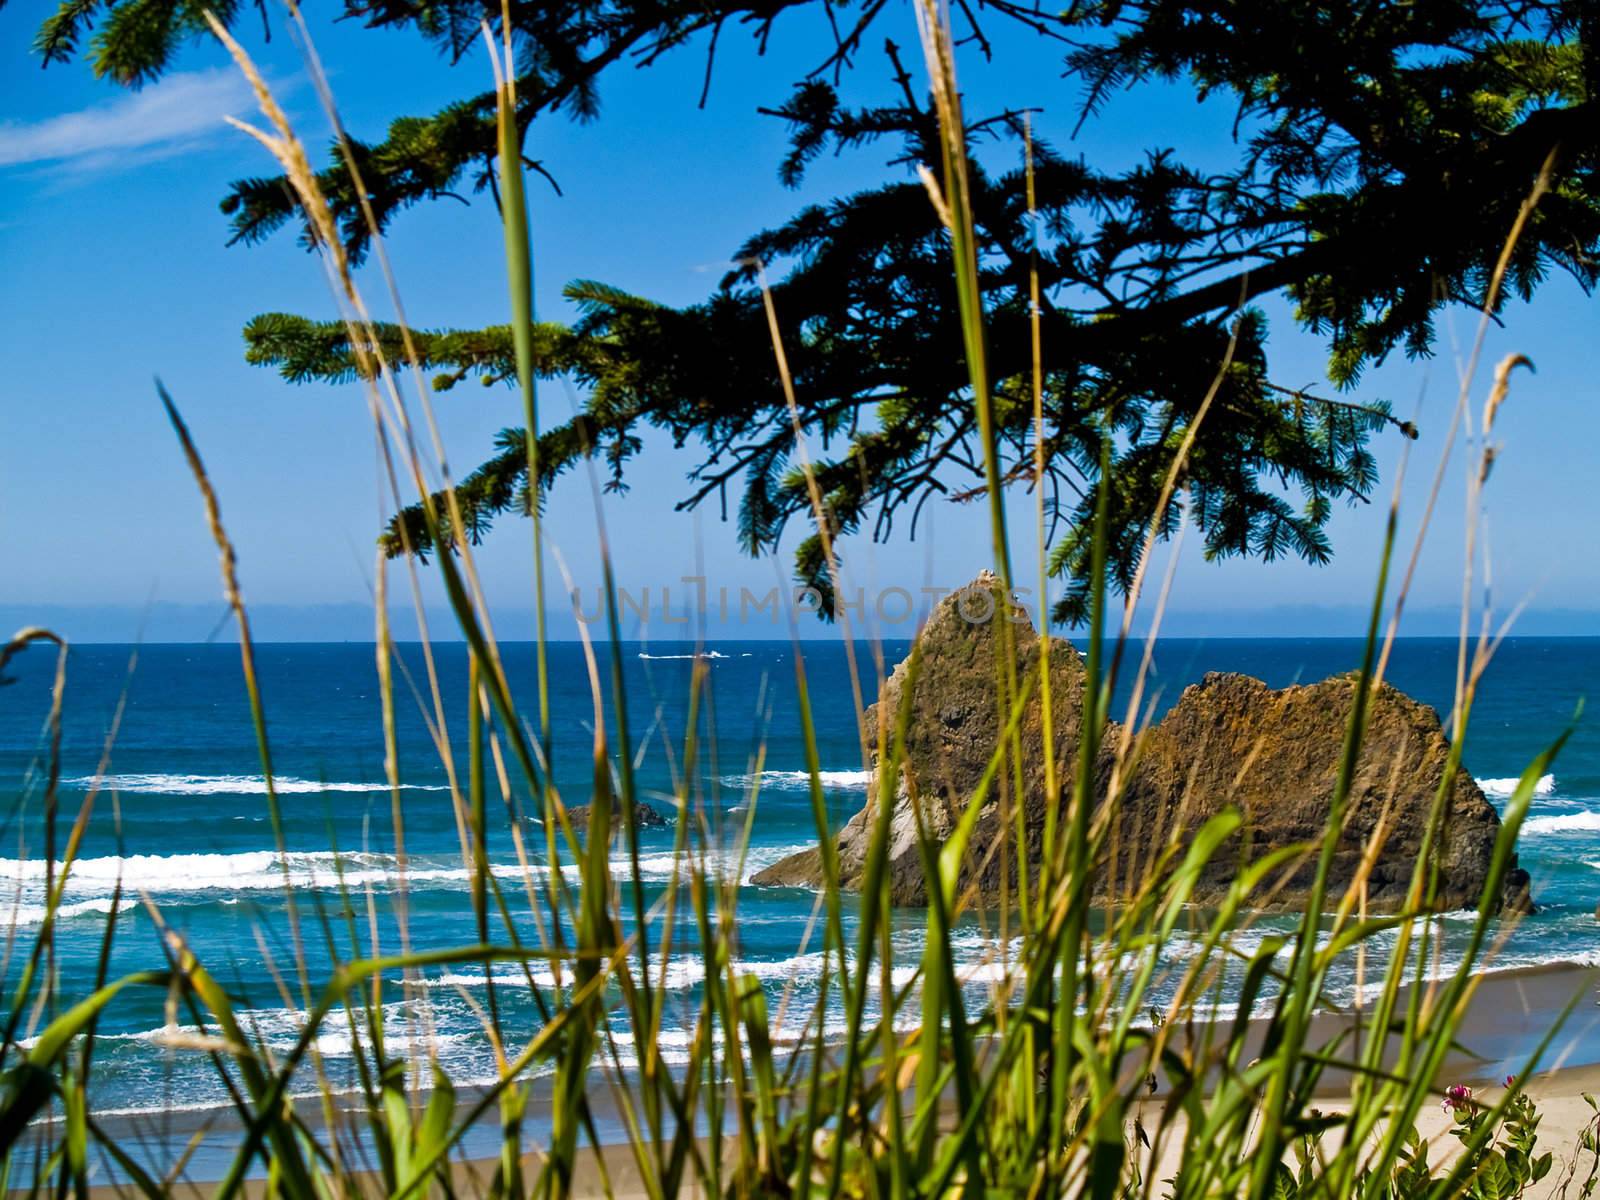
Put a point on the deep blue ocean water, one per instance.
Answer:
(183, 819)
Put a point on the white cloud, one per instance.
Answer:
(164, 119)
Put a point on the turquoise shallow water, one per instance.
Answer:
(188, 828)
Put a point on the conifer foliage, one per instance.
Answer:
(1383, 152)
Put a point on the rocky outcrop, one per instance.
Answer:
(1229, 740)
(647, 817)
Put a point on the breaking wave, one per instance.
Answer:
(250, 870)
(266, 870)
(233, 785)
(1584, 821)
(34, 914)
(800, 781)
(1501, 789)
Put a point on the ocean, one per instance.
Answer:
(183, 822)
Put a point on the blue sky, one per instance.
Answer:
(115, 270)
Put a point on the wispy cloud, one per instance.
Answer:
(175, 114)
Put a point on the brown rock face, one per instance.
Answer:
(1230, 740)
(647, 817)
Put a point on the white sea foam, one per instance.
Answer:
(1576, 822)
(686, 971)
(800, 781)
(984, 967)
(1501, 789)
(682, 971)
(266, 871)
(33, 914)
(673, 1044)
(663, 865)
(250, 870)
(233, 785)
(698, 654)
(455, 979)
(798, 967)
(281, 1028)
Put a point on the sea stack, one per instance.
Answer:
(1229, 740)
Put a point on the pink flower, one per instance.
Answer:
(1511, 1081)
(1456, 1097)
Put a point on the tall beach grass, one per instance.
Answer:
(1043, 1090)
